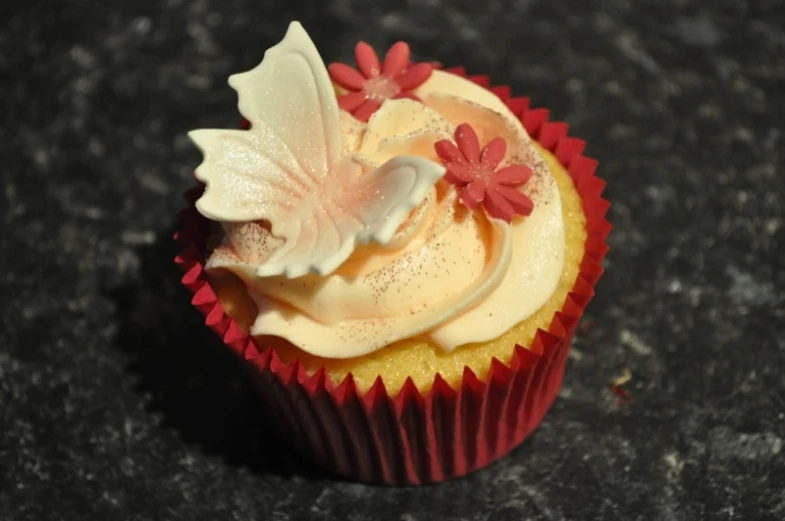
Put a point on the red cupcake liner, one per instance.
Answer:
(411, 438)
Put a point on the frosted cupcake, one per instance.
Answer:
(401, 265)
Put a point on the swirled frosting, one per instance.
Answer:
(444, 272)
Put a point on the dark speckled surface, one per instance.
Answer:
(115, 403)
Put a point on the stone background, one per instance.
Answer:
(116, 403)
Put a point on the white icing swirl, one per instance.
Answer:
(448, 274)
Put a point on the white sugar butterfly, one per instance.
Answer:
(288, 168)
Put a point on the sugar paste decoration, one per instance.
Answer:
(371, 83)
(288, 168)
(474, 173)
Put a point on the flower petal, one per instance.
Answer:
(366, 110)
(464, 171)
(346, 76)
(497, 206)
(520, 202)
(473, 194)
(448, 152)
(367, 60)
(452, 179)
(514, 175)
(397, 59)
(493, 153)
(414, 76)
(351, 101)
(468, 142)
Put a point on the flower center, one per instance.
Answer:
(380, 88)
(482, 173)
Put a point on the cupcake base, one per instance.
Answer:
(411, 437)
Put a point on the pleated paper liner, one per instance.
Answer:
(411, 438)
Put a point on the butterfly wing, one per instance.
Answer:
(295, 138)
(248, 176)
(383, 198)
(290, 96)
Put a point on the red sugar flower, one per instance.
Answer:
(373, 82)
(474, 173)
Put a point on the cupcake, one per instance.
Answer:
(399, 253)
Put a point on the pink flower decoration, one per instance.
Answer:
(474, 173)
(373, 83)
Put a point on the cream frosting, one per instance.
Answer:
(418, 263)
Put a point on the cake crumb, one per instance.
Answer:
(617, 387)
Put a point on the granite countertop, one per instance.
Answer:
(116, 402)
